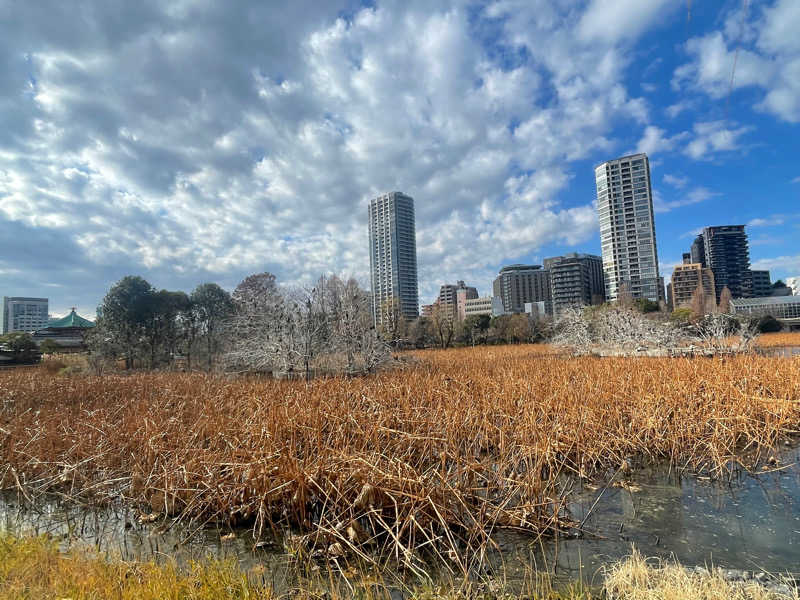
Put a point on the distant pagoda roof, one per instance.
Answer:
(73, 319)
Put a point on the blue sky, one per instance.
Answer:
(198, 141)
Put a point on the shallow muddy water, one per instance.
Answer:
(751, 522)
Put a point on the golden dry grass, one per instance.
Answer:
(774, 340)
(34, 568)
(434, 457)
(637, 579)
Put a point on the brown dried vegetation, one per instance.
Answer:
(430, 459)
(774, 340)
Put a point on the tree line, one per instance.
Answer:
(260, 327)
(441, 328)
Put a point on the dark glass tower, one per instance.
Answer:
(728, 256)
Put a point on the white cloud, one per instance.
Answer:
(673, 110)
(772, 221)
(691, 233)
(714, 136)
(780, 264)
(616, 20)
(676, 181)
(696, 196)
(796, 180)
(769, 60)
(209, 141)
(654, 140)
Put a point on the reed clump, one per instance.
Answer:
(427, 460)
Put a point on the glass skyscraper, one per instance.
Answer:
(393, 256)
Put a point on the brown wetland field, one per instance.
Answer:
(430, 459)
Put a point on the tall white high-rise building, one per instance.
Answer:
(23, 314)
(393, 256)
(627, 229)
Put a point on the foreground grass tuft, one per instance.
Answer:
(638, 579)
(34, 568)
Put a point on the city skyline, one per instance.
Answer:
(121, 153)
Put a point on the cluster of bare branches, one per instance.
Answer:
(623, 329)
(613, 327)
(327, 327)
(720, 331)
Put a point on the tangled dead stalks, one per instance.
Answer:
(428, 461)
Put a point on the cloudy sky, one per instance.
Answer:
(194, 141)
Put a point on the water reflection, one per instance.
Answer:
(752, 522)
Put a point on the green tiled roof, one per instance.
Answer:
(73, 319)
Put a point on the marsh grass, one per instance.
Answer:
(775, 340)
(421, 463)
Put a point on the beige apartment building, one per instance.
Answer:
(686, 278)
(452, 298)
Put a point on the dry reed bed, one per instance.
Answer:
(434, 457)
(774, 340)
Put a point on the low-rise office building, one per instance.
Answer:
(23, 314)
(757, 284)
(487, 305)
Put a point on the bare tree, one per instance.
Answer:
(442, 326)
(614, 328)
(725, 298)
(302, 329)
(351, 332)
(258, 328)
(624, 295)
(573, 328)
(393, 324)
(698, 302)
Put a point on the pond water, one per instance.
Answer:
(782, 351)
(751, 521)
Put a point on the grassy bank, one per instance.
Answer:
(422, 462)
(35, 568)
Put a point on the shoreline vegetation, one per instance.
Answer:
(415, 465)
(778, 340)
(35, 567)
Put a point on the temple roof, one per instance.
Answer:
(73, 319)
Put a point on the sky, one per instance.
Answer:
(196, 140)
